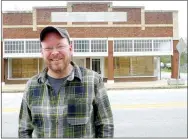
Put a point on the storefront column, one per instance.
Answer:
(110, 62)
(174, 60)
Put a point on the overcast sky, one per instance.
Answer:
(181, 6)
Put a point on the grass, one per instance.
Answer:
(165, 70)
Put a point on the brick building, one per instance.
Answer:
(122, 43)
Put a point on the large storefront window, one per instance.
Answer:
(25, 68)
(142, 66)
(131, 66)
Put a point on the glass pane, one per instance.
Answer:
(96, 65)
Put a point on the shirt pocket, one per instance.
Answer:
(77, 121)
(78, 108)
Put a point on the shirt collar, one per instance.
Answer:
(76, 73)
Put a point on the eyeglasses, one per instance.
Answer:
(59, 48)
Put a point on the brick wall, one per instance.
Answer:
(89, 7)
(44, 15)
(133, 15)
(96, 32)
(17, 19)
(158, 18)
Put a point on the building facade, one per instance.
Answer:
(121, 43)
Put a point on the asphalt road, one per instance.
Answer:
(137, 113)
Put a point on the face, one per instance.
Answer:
(56, 52)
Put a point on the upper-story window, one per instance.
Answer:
(14, 46)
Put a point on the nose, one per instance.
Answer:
(55, 51)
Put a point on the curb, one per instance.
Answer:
(145, 88)
(123, 88)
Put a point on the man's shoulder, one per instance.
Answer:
(88, 74)
(34, 80)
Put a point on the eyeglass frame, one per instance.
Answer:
(59, 48)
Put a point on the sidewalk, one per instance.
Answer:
(161, 84)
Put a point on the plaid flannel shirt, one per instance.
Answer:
(81, 108)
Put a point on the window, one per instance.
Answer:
(32, 46)
(142, 45)
(81, 45)
(123, 46)
(162, 45)
(24, 68)
(98, 46)
(14, 46)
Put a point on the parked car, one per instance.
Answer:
(168, 65)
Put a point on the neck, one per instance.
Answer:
(60, 74)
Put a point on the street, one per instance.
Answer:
(137, 113)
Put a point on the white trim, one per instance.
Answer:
(3, 83)
(86, 2)
(72, 39)
(102, 67)
(21, 55)
(161, 10)
(158, 25)
(175, 25)
(110, 81)
(48, 7)
(152, 45)
(110, 38)
(34, 18)
(90, 25)
(172, 45)
(107, 46)
(25, 12)
(128, 7)
(3, 48)
(133, 76)
(143, 18)
(24, 46)
(84, 54)
(22, 39)
(142, 53)
(101, 64)
(17, 26)
(155, 66)
(18, 78)
(143, 38)
(158, 68)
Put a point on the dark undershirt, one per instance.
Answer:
(56, 83)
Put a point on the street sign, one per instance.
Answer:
(181, 46)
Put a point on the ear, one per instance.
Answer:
(71, 49)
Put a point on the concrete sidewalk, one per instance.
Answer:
(161, 84)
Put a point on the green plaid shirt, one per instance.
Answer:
(81, 108)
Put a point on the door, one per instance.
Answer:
(96, 65)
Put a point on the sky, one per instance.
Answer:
(181, 6)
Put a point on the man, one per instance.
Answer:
(64, 100)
